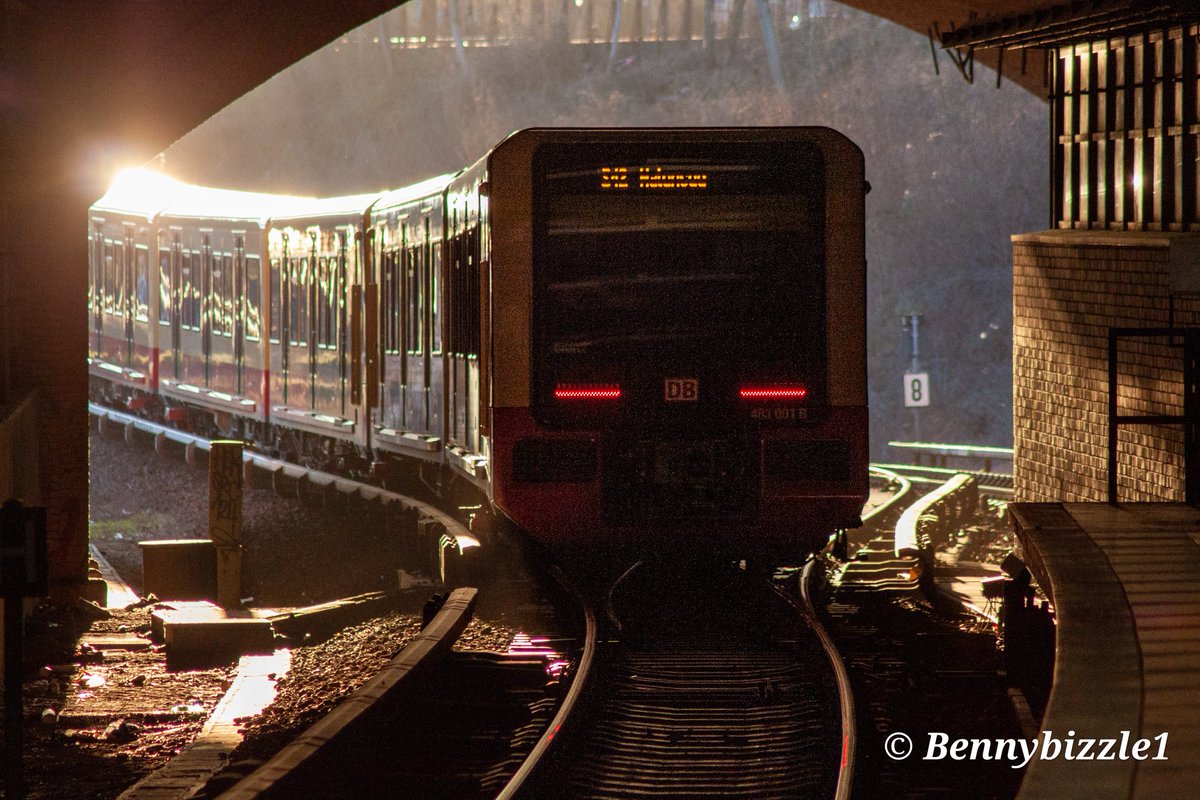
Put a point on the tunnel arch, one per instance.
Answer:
(86, 87)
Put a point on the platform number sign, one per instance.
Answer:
(916, 389)
(23, 567)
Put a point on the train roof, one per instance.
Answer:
(148, 193)
(347, 205)
(204, 202)
(140, 192)
(416, 191)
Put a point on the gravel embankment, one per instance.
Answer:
(294, 555)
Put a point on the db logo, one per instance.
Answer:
(680, 390)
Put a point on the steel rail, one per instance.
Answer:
(284, 773)
(845, 783)
(905, 486)
(578, 682)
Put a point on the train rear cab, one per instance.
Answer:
(691, 304)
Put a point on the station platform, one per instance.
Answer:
(1125, 584)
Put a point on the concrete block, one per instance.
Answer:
(96, 590)
(202, 634)
(179, 569)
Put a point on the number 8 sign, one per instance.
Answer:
(916, 389)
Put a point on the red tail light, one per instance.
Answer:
(587, 391)
(782, 392)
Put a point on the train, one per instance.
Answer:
(594, 337)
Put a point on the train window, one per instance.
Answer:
(331, 293)
(454, 294)
(435, 292)
(415, 307)
(299, 289)
(202, 264)
(164, 286)
(389, 302)
(227, 294)
(107, 290)
(95, 260)
(472, 298)
(702, 248)
(276, 306)
(319, 266)
(253, 303)
(340, 294)
(188, 307)
(142, 284)
(324, 298)
(118, 286)
(216, 300)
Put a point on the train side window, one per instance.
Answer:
(318, 310)
(203, 265)
(95, 260)
(434, 283)
(118, 286)
(164, 286)
(340, 295)
(473, 291)
(299, 288)
(227, 291)
(276, 306)
(216, 299)
(107, 289)
(390, 312)
(321, 290)
(186, 291)
(253, 299)
(452, 294)
(142, 284)
(415, 306)
(404, 263)
(331, 294)
(385, 300)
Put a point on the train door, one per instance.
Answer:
(142, 339)
(471, 304)
(434, 365)
(239, 311)
(207, 305)
(128, 255)
(457, 364)
(390, 338)
(96, 295)
(299, 377)
(340, 289)
(253, 339)
(285, 319)
(114, 297)
(416, 370)
(278, 269)
(175, 304)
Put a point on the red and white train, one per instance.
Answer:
(598, 335)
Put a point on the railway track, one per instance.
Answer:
(994, 484)
(701, 684)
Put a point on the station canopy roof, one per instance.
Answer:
(987, 28)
